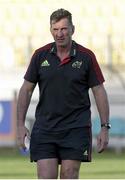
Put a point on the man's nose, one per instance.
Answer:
(59, 33)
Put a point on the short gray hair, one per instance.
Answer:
(60, 14)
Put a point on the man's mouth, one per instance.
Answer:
(60, 39)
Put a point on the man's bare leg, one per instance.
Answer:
(70, 169)
(47, 168)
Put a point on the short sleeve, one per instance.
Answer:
(95, 76)
(32, 70)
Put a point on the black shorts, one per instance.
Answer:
(71, 144)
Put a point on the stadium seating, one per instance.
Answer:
(117, 129)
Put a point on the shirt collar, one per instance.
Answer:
(72, 51)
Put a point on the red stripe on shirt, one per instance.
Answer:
(94, 63)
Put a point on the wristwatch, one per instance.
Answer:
(106, 125)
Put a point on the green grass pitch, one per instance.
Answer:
(107, 165)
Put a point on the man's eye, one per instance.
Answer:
(55, 29)
(64, 29)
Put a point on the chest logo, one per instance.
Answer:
(45, 63)
(77, 64)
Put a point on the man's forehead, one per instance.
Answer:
(63, 21)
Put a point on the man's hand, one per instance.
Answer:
(102, 139)
(23, 132)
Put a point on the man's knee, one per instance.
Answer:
(47, 169)
(69, 173)
(46, 175)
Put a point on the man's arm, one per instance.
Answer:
(23, 102)
(103, 109)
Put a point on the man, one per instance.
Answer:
(64, 71)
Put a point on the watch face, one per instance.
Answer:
(107, 125)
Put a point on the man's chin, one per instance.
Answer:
(61, 44)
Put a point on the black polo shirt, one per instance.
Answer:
(64, 98)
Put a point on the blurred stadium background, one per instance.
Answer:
(24, 26)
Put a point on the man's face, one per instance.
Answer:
(62, 32)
